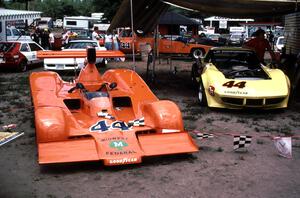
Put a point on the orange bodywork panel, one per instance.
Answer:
(165, 46)
(112, 117)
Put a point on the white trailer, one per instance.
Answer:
(79, 22)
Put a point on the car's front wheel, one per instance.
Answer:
(201, 95)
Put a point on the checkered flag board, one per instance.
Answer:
(201, 136)
(106, 115)
(137, 122)
(241, 141)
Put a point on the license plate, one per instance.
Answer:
(60, 66)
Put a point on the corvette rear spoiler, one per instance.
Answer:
(79, 54)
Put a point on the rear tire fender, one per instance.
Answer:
(163, 114)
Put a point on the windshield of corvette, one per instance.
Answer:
(236, 64)
(226, 59)
(81, 45)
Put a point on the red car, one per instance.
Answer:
(19, 54)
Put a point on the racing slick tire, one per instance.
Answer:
(195, 75)
(197, 53)
(23, 66)
(201, 95)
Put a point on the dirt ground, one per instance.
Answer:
(215, 171)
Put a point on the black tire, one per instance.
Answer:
(23, 66)
(195, 74)
(197, 53)
(201, 95)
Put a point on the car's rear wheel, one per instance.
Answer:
(201, 95)
(23, 66)
(197, 53)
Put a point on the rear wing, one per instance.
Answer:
(79, 54)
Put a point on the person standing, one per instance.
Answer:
(35, 37)
(116, 41)
(45, 39)
(108, 41)
(95, 35)
(271, 39)
(260, 45)
(51, 40)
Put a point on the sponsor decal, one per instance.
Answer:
(236, 92)
(118, 144)
(120, 152)
(113, 138)
(232, 83)
(102, 126)
(123, 160)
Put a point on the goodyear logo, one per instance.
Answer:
(118, 144)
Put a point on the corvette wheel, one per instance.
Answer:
(197, 53)
(201, 95)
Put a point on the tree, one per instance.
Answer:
(108, 7)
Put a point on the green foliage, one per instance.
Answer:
(108, 7)
(55, 8)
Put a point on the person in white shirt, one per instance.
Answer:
(95, 35)
(51, 40)
(115, 41)
(108, 38)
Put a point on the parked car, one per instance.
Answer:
(113, 117)
(214, 37)
(279, 43)
(19, 54)
(73, 63)
(236, 39)
(13, 34)
(234, 78)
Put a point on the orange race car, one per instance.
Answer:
(165, 46)
(114, 117)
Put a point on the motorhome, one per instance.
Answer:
(79, 22)
(45, 23)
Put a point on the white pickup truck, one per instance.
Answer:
(13, 34)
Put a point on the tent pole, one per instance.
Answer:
(132, 35)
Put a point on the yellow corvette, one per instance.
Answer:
(234, 78)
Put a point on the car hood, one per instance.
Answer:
(277, 85)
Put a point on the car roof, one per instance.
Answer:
(231, 49)
(82, 41)
(17, 42)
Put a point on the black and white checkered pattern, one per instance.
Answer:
(241, 141)
(106, 115)
(137, 122)
(201, 136)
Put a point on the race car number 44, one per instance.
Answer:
(232, 83)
